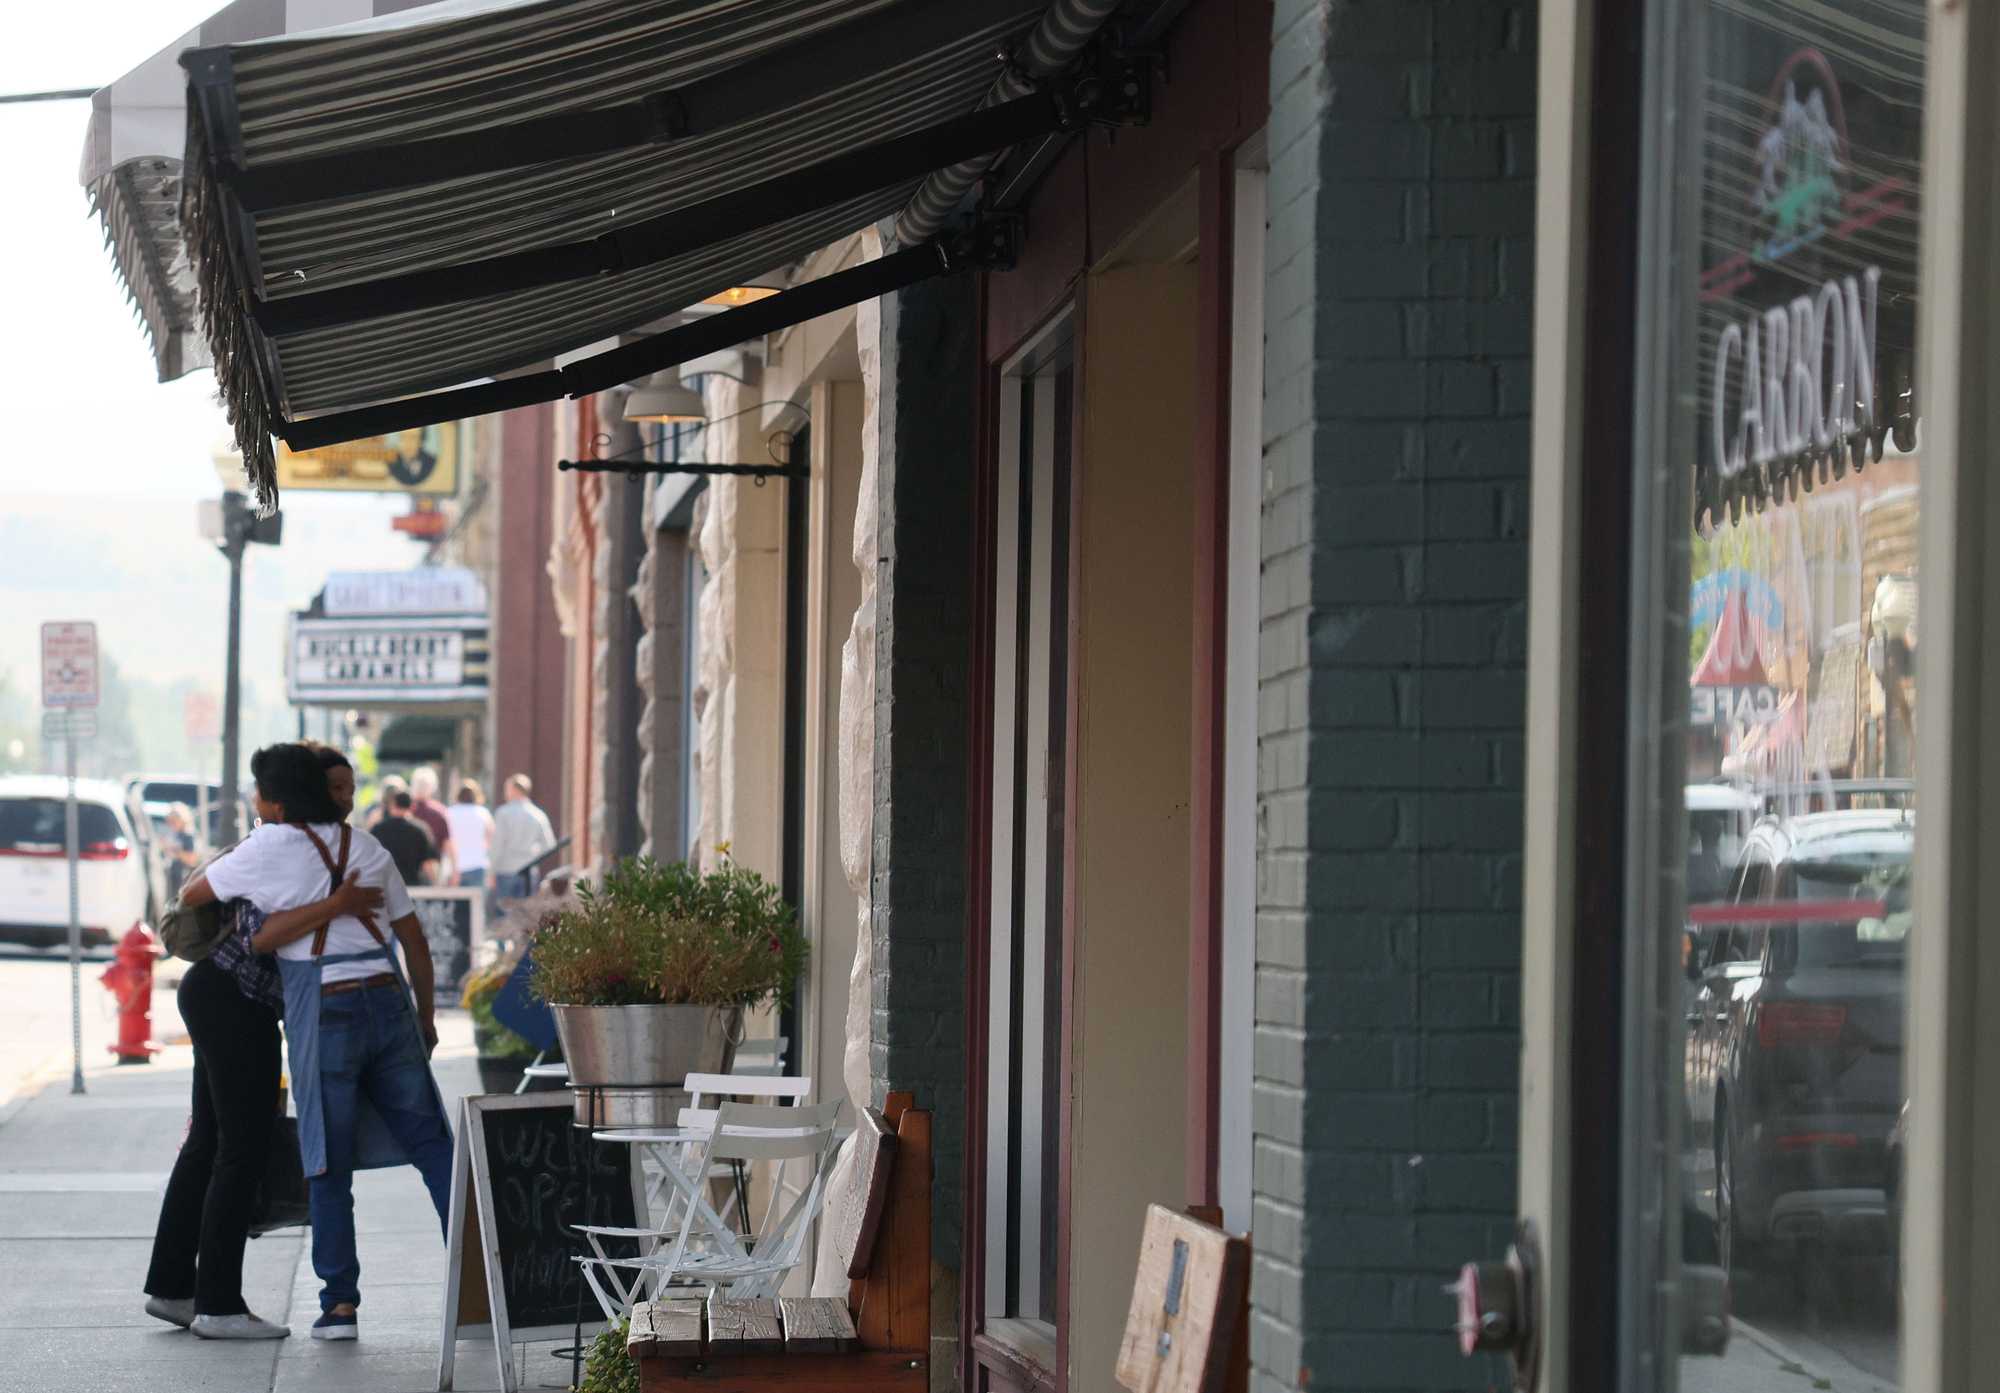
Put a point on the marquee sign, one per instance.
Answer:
(387, 661)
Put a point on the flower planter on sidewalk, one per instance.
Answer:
(646, 1046)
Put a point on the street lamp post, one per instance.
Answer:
(240, 526)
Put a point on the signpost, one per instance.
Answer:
(69, 694)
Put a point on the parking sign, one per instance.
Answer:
(69, 665)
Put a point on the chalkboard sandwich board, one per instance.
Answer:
(522, 1176)
(454, 922)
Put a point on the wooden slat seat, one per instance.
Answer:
(876, 1339)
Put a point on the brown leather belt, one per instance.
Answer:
(355, 984)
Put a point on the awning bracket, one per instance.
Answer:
(639, 468)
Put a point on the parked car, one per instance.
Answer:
(112, 876)
(159, 792)
(1795, 1035)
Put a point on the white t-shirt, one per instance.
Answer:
(471, 834)
(277, 868)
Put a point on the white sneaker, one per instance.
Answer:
(173, 1312)
(243, 1327)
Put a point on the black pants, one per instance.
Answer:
(205, 1218)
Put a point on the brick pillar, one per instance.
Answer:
(1395, 555)
(924, 497)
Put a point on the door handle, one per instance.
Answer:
(1499, 1304)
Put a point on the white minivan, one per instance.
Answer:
(112, 878)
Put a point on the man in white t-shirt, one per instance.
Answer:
(346, 1010)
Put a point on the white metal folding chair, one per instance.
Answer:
(709, 1091)
(701, 1248)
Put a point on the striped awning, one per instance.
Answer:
(131, 167)
(460, 193)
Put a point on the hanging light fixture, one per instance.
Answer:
(739, 295)
(664, 399)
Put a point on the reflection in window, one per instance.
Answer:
(1791, 358)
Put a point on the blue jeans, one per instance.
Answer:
(369, 1047)
(472, 880)
(507, 887)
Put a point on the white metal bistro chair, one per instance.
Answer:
(710, 1091)
(698, 1247)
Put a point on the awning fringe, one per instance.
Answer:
(220, 299)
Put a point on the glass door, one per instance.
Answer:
(1728, 1022)
(1774, 812)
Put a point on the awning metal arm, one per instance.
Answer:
(991, 244)
(791, 75)
(1083, 97)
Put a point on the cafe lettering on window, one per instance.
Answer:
(1807, 311)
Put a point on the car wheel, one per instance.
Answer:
(1731, 1252)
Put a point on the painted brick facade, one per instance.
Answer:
(1391, 680)
(923, 657)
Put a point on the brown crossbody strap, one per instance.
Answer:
(338, 870)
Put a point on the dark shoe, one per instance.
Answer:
(337, 1327)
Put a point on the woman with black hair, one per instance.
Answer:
(359, 1055)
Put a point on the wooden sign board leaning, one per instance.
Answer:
(1186, 1303)
(522, 1176)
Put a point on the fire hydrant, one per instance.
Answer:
(129, 979)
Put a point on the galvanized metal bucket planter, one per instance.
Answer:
(646, 1046)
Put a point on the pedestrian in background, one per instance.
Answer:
(408, 841)
(427, 810)
(471, 834)
(521, 836)
(384, 800)
(179, 846)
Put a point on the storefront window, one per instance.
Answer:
(1785, 470)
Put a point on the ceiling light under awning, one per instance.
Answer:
(663, 399)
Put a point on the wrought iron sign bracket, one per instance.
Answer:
(636, 469)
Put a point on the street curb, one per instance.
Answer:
(1780, 1351)
(31, 1088)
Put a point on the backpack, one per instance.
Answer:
(191, 934)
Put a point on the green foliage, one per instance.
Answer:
(664, 933)
(608, 1367)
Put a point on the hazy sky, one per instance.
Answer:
(102, 466)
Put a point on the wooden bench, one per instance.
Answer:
(878, 1338)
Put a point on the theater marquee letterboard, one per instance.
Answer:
(387, 660)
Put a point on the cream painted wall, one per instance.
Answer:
(742, 648)
(1134, 477)
(833, 595)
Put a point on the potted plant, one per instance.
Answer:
(651, 970)
(502, 1053)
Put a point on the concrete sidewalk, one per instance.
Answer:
(80, 1183)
